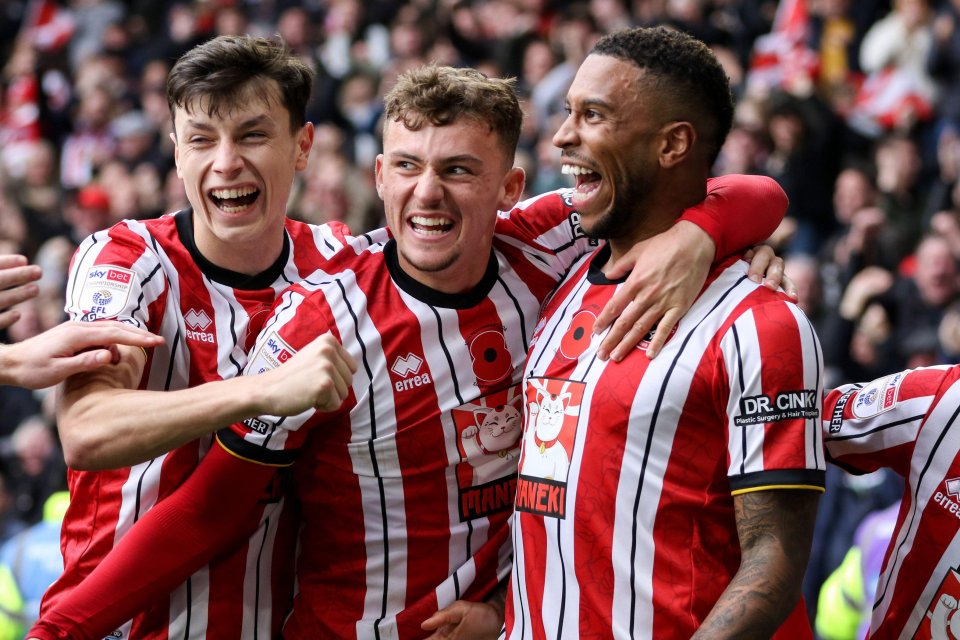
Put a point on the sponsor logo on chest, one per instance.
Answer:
(407, 368)
(197, 323)
(947, 498)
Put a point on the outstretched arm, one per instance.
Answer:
(775, 529)
(16, 286)
(669, 270)
(68, 349)
(98, 433)
(217, 507)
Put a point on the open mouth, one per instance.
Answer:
(587, 180)
(430, 226)
(234, 200)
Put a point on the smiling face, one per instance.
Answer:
(609, 142)
(238, 168)
(441, 187)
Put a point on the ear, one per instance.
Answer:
(176, 153)
(304, 146)
(511, 189)
(378, 175)
(677, 142)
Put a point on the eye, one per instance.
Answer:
(459, 171)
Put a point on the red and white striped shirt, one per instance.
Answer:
(150, 274)
(406, 491)
(625, 524)
(908, 421)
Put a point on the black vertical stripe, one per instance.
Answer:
(649, 443)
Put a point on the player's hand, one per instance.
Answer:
(668, 272)
(69, 348)
(16, 285)
(318, 376)
(464, 620)
(766, 267)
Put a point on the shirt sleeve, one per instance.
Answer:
(218, 507)
(873, 425)
(298, 318)
(739, 211)
(774, 373)
(115, 276)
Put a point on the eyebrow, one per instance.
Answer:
(255, 121)
(458, 159)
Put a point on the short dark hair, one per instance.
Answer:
(221, 72)
(438, 96)
(688, 76)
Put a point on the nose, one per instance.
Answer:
(566, 135)
(429, 188)
(228, 160)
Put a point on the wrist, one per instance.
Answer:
(8, 364)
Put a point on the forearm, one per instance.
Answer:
(775, 529)
(140, 425)
(758, 599)
(739, 211)
(214, 510)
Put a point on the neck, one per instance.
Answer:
(658, 212)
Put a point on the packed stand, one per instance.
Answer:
(853, 107)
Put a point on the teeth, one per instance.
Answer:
(225, 194)
(574, 170)
(429, 222)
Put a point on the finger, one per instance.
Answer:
(621, 267)
(344, 371)
(111, 332)
(15, 276)
(440, 619)
(665, 329)
(635, 319)
(759, 263)
(790, 287)
(615, 306)
(634, 334)
(10, 297)
(774, 274)
(8, 317)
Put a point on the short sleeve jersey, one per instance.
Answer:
(624, 519)
(406, 491)
(908, 421)
(150, 274)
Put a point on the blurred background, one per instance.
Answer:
(852, 106)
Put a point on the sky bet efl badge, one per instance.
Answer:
(272, 353)
(105, 291)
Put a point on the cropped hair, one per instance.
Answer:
(438, 96)
(687, 76)
(221, 73)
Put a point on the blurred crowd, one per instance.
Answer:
(853, 106)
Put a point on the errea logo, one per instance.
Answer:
(197, 323)
(408, 368)
(406, 365)
(948, 500)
